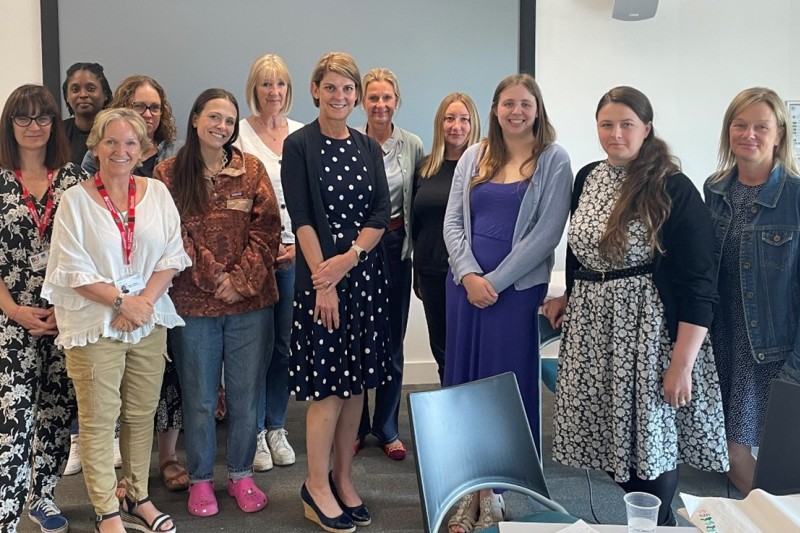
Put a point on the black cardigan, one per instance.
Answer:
(685, 273)
(301, 168)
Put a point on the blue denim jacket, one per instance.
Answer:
(770, 265)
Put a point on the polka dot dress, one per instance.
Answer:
(345, 361)
(610, 412)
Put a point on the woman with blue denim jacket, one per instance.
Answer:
(754, 200)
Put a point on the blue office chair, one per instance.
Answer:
(548, 335)
(471, 437)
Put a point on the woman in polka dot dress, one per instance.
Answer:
(336, 192)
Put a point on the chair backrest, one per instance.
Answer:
(778, 464)
(547, 333)
(470, 437)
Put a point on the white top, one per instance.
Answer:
(250, 142)
(86, 248)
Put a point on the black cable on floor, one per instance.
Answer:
(591, 497)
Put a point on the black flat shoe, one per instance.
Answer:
(358, 514)
(338, 524)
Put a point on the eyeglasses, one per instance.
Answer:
(42, 120)
(140, 108)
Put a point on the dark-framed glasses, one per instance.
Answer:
(139, 107)
(24, 121)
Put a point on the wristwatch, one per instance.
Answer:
(361, 253)
(117, 302)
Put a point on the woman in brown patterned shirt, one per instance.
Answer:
(231, 227)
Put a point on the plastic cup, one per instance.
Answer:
(642, 510)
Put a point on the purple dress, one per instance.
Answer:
(503, 337)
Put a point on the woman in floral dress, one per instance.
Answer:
(637, 387)
(38, 398)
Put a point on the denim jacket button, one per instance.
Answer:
(754, 323)
(776, 238)
(750, 294)
(746, 266)
(754, 209)
(761, 357)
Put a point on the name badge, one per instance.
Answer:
(39, 261)
(130, 284)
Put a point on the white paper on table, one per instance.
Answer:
(579, 527)
(523, 527)
(757, 513)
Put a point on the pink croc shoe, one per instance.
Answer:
(249, 497)
(202, 501)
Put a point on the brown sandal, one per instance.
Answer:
(172, 482)
(463, 517)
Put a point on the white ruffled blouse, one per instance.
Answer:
(86, 248)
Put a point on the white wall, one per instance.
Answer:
(20, 45)
(690, 60)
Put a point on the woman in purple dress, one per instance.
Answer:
(507, 210)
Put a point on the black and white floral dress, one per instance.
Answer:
(610, 412)
(38, 401)
(345, 361)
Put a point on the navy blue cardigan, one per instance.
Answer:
(301, 168)
(685, 275)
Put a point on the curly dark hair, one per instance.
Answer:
(166, 131)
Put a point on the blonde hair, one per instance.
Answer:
(265, 67)
(341, 63)
(495, 153)
(784, 152)
(433, 162)
(383, 74)
(107, 116)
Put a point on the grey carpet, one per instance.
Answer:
(388, 487)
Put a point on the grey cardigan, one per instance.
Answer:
(540, 223)
(409, 157)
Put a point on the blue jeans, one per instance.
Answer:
(387, 396)
(275, 395)
(200, 349)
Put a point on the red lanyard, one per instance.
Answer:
(41, 223)
(126, 233)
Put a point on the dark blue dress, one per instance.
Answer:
(344, 361)
(503, 337)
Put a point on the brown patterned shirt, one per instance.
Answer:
(239, 234)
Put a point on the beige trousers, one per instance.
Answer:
(113, 380)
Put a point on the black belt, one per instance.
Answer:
(599, 275)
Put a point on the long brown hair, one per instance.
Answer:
(187, 185)
(29, 99)
(643, 194)
(495, 153)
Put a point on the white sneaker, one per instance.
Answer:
(263, 459)
(282, 452)
(117, 455)
(74, 461)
